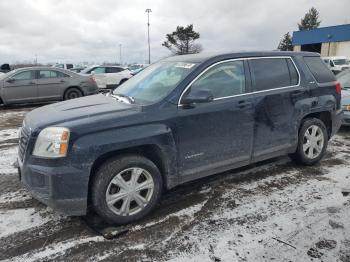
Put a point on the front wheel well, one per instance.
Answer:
(152, 152)
(123, 80)
(324, 116)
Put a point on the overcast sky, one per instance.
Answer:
(91, 30)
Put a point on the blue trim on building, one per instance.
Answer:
(322, 35)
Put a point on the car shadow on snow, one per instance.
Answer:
(195, 192)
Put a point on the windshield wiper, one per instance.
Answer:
(123, 98)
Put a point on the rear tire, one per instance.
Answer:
(72, 93)
(312, 142)
(126, 189)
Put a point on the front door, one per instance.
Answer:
(21, 87)
(100, 76)
(216, 134)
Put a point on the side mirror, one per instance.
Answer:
(197, 96)
(10, 80)
(92, 72)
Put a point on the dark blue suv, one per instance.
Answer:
(180, 119)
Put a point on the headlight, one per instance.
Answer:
(52, 142)
(346, 108)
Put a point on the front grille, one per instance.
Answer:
(23, 142)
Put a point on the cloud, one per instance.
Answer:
(91, 30)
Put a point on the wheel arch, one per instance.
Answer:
(152, 152)
(70, 87)
(324, 116)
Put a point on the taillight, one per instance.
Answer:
(337, 87)
(92, 79)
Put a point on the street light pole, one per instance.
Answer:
(120, 54)
(149, 47)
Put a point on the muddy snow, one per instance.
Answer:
(271, 211)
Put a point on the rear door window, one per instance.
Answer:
(318, 69)
(114, 69)
(44, 74)
(271, 73)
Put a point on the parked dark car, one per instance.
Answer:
(5, 68)
(344, 80)
(180, 119)
(39, 84)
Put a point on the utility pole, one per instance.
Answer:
(149, 47)
(36, 59)
(120, 54)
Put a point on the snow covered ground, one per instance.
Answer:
(272, 211)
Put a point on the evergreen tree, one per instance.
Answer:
(310, 20)
(182, 41)
(286, 43)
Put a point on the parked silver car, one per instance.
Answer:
(38, 84)
(344, 79)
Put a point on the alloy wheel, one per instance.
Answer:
(313, 142)
(129, 191)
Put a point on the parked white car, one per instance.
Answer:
(337, 63)
(108, 76)
(63, 66)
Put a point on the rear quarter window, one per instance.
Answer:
(319, 70)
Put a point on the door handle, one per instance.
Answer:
(244, 104)
(62, 81)
(298, 93)
(32, 83)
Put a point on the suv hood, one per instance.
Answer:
(89, 107)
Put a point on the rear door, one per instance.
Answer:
(21, 87)
(276, 87)
(216, 134)
(114, 75)
(51, 84)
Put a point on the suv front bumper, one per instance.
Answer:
(62, 188)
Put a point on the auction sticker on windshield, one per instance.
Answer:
(184, 65)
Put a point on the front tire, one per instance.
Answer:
(122, 81)
(312, 142)
(126, 189)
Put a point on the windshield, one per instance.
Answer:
(86, 70)
(134, 67)
(155, 82)
(341, 62)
